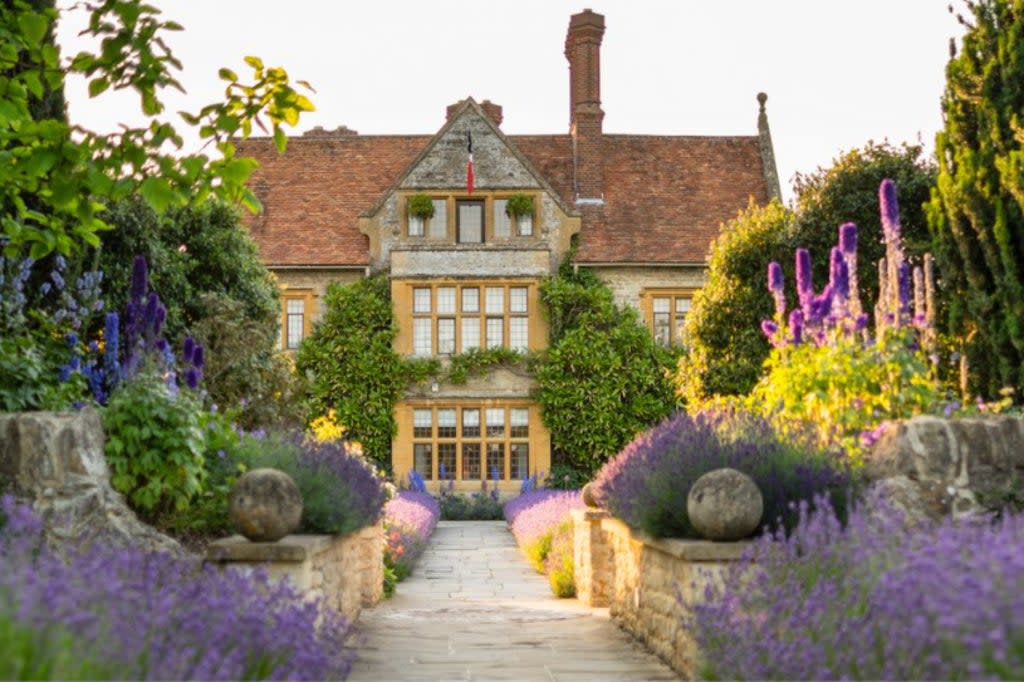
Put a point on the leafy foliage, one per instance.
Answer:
(647, 484)
(193, 252)
(726, 351)
(519, 205)
(420, 205)
(602, 379)
(977, 210)
(62, 174)
(558, 564)
(352, 366)
(154, 444)
(244, 370)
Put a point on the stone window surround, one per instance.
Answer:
(451, 200)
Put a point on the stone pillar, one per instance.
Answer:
(592, 557)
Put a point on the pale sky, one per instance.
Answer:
(837, 73)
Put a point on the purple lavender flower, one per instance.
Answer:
(889, 209)
(848, 238)
(409, 521)
(796, 326)
(861, 323)
(839, 277)
(535, 514)
(776, 285)
(804, 286)
(905, 290)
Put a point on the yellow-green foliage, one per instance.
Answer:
(537, 551)
(559, 563)
(843, 389)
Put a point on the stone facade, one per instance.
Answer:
(55, 461)
(647, 583)
(628, 283)
(937, 467)
(347, 573)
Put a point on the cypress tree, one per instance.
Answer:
(976, 212)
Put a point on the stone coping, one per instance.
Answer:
(290, 548)
(688, 550)
(590, 514)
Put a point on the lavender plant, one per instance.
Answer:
(341, 491)
(646, 484)
(534, 517)
(409, 520)
(828, 370)
(152, 616)
(878, 599)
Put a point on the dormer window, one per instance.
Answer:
(469, 220)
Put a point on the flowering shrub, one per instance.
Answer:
(341, 492)
(483, 505)
(559, 562)
(141, 615)
(826, 370)
(409, 520)
(533, 518)
(876, 600)
(646, 484)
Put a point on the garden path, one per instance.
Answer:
(474, 609)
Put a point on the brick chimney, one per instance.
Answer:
(583, 50)
(492, 110)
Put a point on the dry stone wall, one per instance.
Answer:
(933, 467)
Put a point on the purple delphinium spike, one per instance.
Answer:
(848, 238)
(111, 339)
(796, 326)
(769, 328)
(804, 290)
(839, 277)
(189, 347)
(192, 378)
(776, 285)
(861, 322)
(198, 357)
(890, 210)
(905, 291)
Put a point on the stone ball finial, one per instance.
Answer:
(588, 495)
(725, 504)
(265, 505)
(761, 99)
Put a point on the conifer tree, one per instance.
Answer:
(976, 211)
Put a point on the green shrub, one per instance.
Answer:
(353, 367)
(154, 444)
(519, 205)
(603, 378)
(538, 550)
(420, 205)
(48, 653)
(480, 506)
(566, 477)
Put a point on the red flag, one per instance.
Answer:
(469, 163)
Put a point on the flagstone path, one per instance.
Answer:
(474, 609)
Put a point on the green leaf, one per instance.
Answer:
(158, 193)
(254, 62)
(98, 85)
(227, 74)
(33, 26)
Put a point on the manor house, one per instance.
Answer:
(641, 211)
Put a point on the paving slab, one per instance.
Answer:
(474, 609)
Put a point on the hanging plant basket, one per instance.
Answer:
(519, 205)
(420, 206)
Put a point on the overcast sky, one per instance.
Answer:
(837, 73)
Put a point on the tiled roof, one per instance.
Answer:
(665, 196)
(313, 194)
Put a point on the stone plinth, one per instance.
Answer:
(346, 572)
(647, 583)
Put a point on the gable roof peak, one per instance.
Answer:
(487, 108)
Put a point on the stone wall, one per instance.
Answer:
(933, 467)
(628, 283)
(346, 572)
(55, 461)
(643, 579)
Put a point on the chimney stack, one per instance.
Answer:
(583, 50)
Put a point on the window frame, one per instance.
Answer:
(675, 320)
(423, 306)
(308, 301)
(481, 440)
(489, 232)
